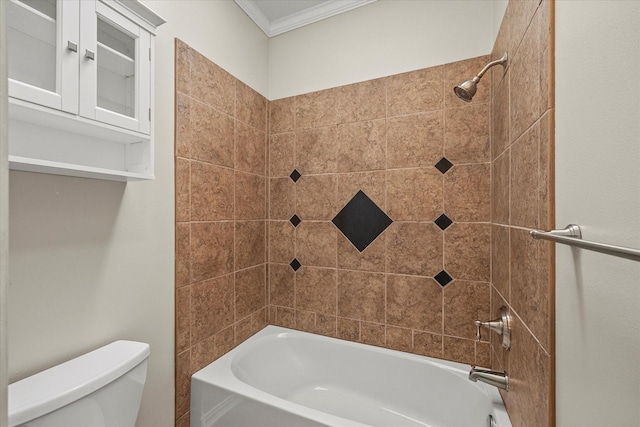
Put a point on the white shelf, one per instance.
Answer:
(48, 117)
(46, 140)
(28, 15)
(43, 7)
(114, 61)
(59, 168)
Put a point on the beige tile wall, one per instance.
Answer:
(384, 137)
(522, 168)
(221, 232)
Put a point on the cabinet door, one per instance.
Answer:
(42, 44)
(114, 68)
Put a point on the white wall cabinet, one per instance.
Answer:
(81, 87)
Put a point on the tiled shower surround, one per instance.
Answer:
(221, 207)
(419, 158)
(522, 147)
(267, 193)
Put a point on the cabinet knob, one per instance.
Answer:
(71, 46)
(89, 54)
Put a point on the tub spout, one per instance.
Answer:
(494, 378)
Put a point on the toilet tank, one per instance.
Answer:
(102, 388)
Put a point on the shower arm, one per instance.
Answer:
(489, 65)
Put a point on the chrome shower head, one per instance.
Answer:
(467, 89)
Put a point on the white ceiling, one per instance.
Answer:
(279, 16)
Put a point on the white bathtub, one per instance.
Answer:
(286, 378)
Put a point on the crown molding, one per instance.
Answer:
(299, 19)
(256, 15)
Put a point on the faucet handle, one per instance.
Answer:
(478, 324)
(501, 326)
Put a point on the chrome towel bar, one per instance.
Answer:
(572, 235)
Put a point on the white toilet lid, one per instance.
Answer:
(63, 384)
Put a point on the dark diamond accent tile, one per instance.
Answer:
(444, 165)
(295, 264)
(295, 220)
(295, 175)
(443, 222)
(443, 278)
(361, 221)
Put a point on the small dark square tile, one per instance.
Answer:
(295, 220)
(443, 278)
(295, 264)
(295, 175)
(361, 221)
(444, 165)
(443, 222)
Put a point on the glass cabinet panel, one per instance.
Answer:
(116, 62)
(32, 42)
(114, 72)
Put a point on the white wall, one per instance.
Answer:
(221, 31)
(92, 261)
(382, 38)
(499, 8)
(598, 187)
(4, 220)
